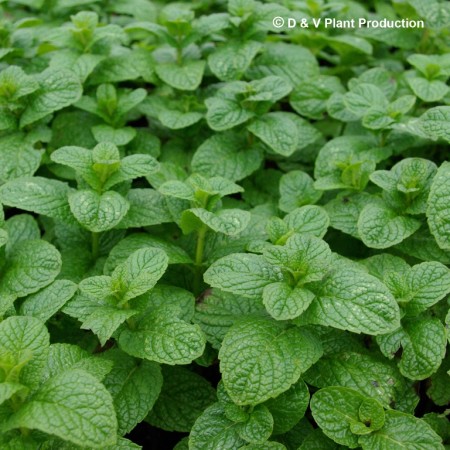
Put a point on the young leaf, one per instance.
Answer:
(24, 342)
(139, 273)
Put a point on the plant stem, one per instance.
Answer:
(199, 258)
(95, 244)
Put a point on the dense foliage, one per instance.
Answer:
(223, 228)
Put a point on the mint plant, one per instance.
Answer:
(217, 232)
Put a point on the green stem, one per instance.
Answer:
(95, 244)
(179, 56)
(199, 258)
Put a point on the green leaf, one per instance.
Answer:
(297, 189)
(424, 343)
(147, 207)
(47, 302)
(258, 427)
(226, 221)
(224, 114)
(134, 387)
(337, 410)
(184, 397)
(269, 89)
(381, 227)
(310, 96)
(24, 343)
(21, 227)
(308, 220)
(214, 431)
(430, 65)
(186, 77)
(278, 131)
(227, 155)
(15, 83)
(40, 195)
(367, 374)
(363, 97)
(427, 90)
(251, 376)
(139, 273)
(104, 320)
(97, 286)
(62, 357)
(427, 283)
(352, 300)
(8, 390)
(131, 167)
(74, 406)
(119, 136)
(162, 337)
(402, 431)
(58, 89)
(177, 120)
(289, 61)
(78, 158)
(18, 158)
(233, 59)
(243, 274)
(33, 265)
(439, 206)
(345, 209)
(130, 99)
(306, 258)
(136, 241)
(434, 123)
(316, 440)
(407, 185)
(289, 407)
(439, 389)
(268, 445)
(284, 302)
(98, 212)
(219, 310)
